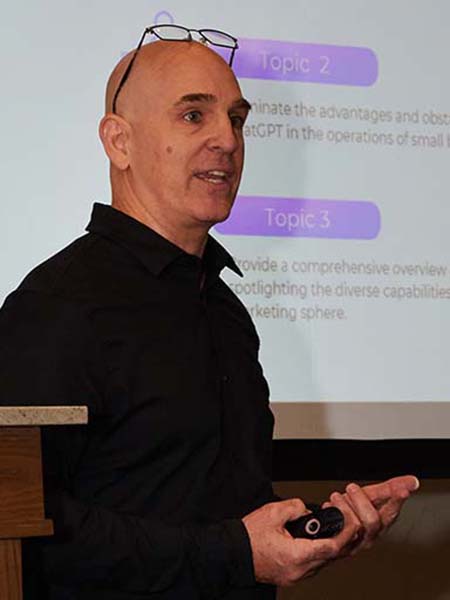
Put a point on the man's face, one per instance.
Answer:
(187, 145)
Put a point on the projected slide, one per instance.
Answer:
(345, 258)
(341, 224)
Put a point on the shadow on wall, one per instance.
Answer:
(412, 562)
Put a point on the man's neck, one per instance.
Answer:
(192, 241)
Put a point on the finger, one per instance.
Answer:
(379, 493)
(366, 512)
(354, 544)
(319, 551)
(388, 497)
(328, 549)
(391, 509)
(410, 482)
(353, 529)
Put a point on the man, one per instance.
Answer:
(167, 492)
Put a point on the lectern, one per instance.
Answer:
(21, 488)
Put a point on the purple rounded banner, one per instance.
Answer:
(300, 217)
(315, 63)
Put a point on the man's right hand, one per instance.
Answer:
(282, 560)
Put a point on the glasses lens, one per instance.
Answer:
(171, 32)
(219, 38)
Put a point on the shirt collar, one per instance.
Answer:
(150, 248)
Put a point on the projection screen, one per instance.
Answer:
(341, 224)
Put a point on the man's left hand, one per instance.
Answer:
(374, 508)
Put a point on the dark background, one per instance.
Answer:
(315, 460)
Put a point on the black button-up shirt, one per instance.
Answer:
(147, 498)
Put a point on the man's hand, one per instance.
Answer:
(375, 506)
(368, 511)
(280, 559)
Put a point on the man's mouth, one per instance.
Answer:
(215, 176)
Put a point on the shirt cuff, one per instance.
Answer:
(244, 574)
(221, 557)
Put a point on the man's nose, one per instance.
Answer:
(223, 136)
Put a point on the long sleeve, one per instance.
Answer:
(105, 549)
(49, 356)
(47, 353)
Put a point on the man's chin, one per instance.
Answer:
(211, 220)
(218, 212)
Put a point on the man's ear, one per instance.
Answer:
(114, 133)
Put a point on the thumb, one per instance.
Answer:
(291, 509)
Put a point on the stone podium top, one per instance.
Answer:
(42, 415)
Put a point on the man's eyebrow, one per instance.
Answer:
(187, 98)
(242, 103)
(211, 98)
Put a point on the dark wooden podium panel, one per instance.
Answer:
(21, 502)
(21, 489)
(11, 570)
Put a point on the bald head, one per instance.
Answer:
(176, 143)
(156, 62)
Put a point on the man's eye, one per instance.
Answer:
(193, 116)
(237, 121)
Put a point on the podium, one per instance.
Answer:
(21, 488)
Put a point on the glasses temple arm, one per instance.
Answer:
(127, 70)
(232, 55)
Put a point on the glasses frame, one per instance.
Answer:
(203, 33)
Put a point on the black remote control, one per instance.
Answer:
(321, 523)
